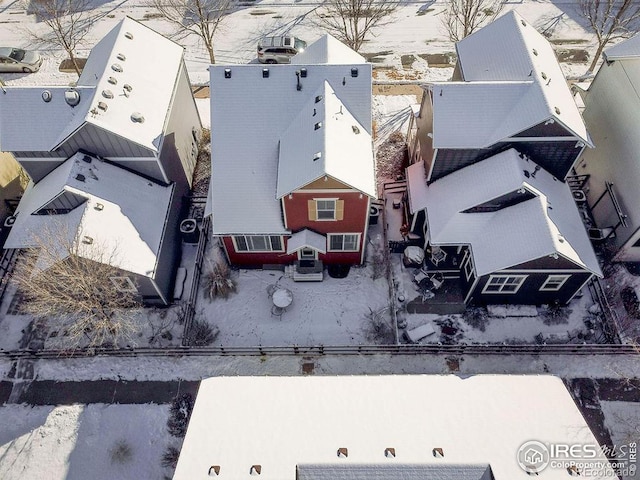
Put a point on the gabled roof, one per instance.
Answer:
(327, 50)
(307, 238)
(629, 48)
(250, 111)
(325, 139)
(508, 50)
(546, 225)
(124, 213)
(130, 55)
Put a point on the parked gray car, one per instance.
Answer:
(19, 60)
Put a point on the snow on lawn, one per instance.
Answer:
(622, 419)
(332, 312)
(80, 442)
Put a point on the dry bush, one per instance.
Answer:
(217, 282)
(170, 457)
(76, 289)
(201, 334)
(121, 452)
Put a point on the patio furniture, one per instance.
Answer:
(437, 280)
(281, 298)
(438, 255)
(271, 288)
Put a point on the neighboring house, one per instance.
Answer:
(132, 112)
(489, 153)
(612, 113)
(12, 183)
(292, 159)
(483, 427)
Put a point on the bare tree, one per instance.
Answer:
(68, 22)
(463, 17)
(194, 17)
(352, 21)
(609, 20)
(76, 289)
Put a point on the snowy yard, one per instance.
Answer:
(80, 442)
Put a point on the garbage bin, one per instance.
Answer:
(374, 214)
(189, 230)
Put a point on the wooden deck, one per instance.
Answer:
(448, 299)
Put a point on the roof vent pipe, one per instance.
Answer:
(72, 97)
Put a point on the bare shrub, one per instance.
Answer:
(217, 282)
(179, 414)
(476, 317)
(121, 452)
(170, 457)
(556, 314)
(463, 17)
(201, 334)
(378, 327)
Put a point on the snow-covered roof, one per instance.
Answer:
(132, 71)
(395, 472)
(548, 224)
(28, 123)
(123, 213)
(281, 423)
(325, 139)
(327, 50)
(306, 238)
(629, 48)
(250, 112)
(510, 53)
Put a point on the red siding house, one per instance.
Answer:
(292, 160)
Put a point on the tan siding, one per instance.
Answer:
(331, 183)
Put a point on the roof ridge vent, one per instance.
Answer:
(116, 67)
(137, 117)
(72, 97)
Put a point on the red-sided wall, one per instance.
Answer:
(356, 211)
(257, 259)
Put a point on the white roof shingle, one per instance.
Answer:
(548, 224)
(250, 112)
(132, 70)
(124, 213)
(510, 54)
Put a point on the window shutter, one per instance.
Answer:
(313, 211)
(339, 209)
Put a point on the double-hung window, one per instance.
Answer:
(553, 283)
(258, 243)
(326, 209)
(504, 283)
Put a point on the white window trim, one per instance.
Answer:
(467, 259)
(553, 279)
(329, 235)
(235, 245)
(335, 208)
(315, 253)
(521, 280)
(130, 286)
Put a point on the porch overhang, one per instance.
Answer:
(307, 239)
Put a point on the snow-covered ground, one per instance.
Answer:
(80, 442)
